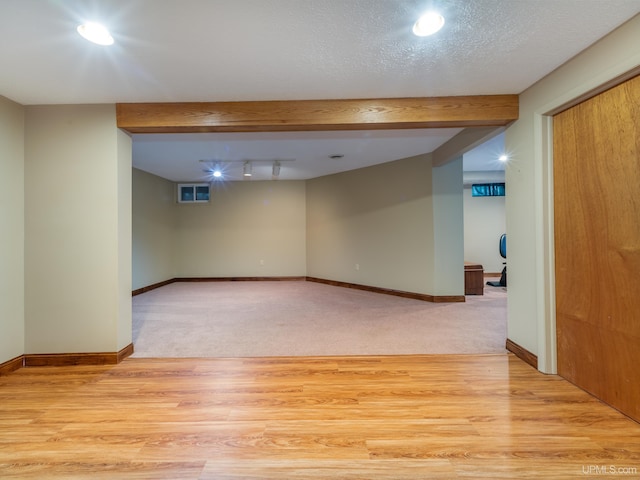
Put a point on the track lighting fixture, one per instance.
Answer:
(229, 170)
(247, 169)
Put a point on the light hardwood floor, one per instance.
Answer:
(396, 417)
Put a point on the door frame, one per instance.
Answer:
(544, 206)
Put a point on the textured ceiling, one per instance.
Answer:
(235, 50)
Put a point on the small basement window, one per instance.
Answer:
(488, 190)
(193, 192)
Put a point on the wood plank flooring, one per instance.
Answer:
(396, 417)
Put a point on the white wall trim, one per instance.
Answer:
(545, 245)
(544, 211)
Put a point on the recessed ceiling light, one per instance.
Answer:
(503, 158)
(428, 24)
(96, 33)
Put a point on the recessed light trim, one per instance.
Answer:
(96, 33)
(428, 24)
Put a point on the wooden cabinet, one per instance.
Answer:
(473, 279)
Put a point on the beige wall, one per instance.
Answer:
(484, 222)
(123, 247)
(250, 228)
(448, 229)
(374, 226)
(531, 314)
(154, 225)
(75, 171)
(75, 226)
(11, 230)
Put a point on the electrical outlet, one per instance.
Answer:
(261, 262)
(357, 266)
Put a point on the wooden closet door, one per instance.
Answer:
(597, 245)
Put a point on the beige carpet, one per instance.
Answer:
(299, 318)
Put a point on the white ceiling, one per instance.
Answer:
(302, 155)
(235, 50)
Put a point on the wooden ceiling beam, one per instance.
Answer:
(307, 115)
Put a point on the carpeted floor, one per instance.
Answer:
(299, 318)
